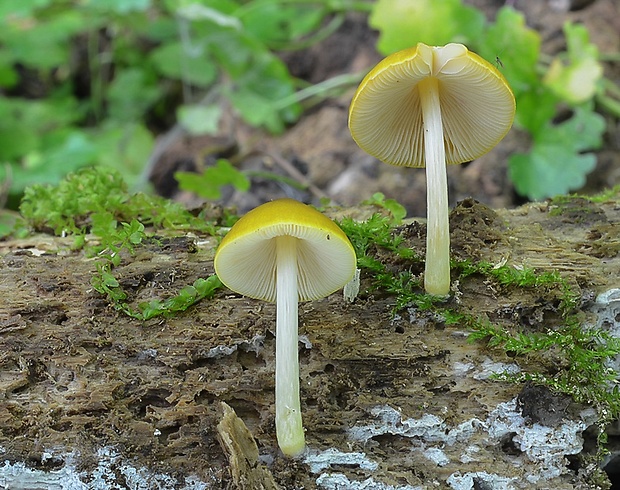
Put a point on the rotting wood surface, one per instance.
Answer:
(377, 390)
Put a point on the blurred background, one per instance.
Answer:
(240, 101)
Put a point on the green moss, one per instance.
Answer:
(96, 200)
(604, 196)
(580, 207)
(67, 208)
(375, 233)
(581, 370)
(521, 277)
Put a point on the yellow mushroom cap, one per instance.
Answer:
(245, 261)
(477, 105)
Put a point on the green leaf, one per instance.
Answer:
(134, 231)
(8, 75)
(207, 287)
(11, 9)
(73, 151)
(198, 119)
(516, 46)
(576, 79)
(16, 140)
(555, 164)
(584, 130)
(404, 23)
(396, 209)
(276, 23)
(109, 280)
(124, 147)
(209, 183)
(256, 109)
(43, 44)
(535, 108)
(235, 52)
(39, 116)
(258, 89)
(8, 222)
(190, 66)
(131, 94)
(119, 6)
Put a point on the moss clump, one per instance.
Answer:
(96, 200)
(67, 208)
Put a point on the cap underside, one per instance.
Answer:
(325, 262)
(477, 105)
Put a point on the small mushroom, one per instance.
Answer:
(424, 107)
(286, 251)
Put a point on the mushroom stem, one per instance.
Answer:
(289, 428)
(437, 267)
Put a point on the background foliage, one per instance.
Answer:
(555, 96)
(92, 82)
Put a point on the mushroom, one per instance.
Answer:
(286, 251)
(428, 106)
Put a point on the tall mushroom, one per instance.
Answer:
(429, 106)
(285, 251)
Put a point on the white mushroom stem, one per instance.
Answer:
(437, 267)
(289, 428)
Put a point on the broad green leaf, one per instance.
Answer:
(8, 74)
(256, 109)
(45, 44)
(8, 220)
(10, 9)
(535, 108)
(71, 151)
(162, 29)
(134, 231)
(259, 85)
(190, 66)
(16, 140)
(583, 131)
(76, 151)
(208, 185)
(404, 23)
(109, 280)
(40, 116)
(120, 6)
(576, 79)
(222, 6)
(124, 147)
(556, 163)
(397, 210)
(207, 287)
(260, 79)
(235, 53)
(549, 170)
(131, 94)
(197, 119)
(277, 23)
(517, 47)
